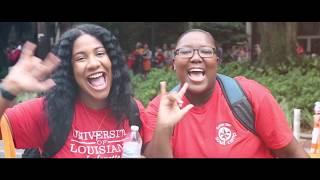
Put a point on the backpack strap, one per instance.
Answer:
(238, 101)
(176, 88)
(31, 153)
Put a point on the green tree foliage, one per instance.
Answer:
(153, 33)
(157, 33)
(147, 89)
(227, 33)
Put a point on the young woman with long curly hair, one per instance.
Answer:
(86, 101)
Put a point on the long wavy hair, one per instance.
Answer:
(60, 100)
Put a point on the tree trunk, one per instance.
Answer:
(291, 28)
(277, 41)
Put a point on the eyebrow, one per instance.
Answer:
(189, 46)
(82, 52)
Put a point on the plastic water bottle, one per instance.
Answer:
(317, 108)
(315, 140)
(132, 144)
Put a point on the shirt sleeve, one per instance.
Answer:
(28, 124)
(152, 113)
(270, 121)
(146, 131)
(272, 125)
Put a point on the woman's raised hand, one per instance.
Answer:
(31, 74)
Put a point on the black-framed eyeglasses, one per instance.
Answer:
(188, 52)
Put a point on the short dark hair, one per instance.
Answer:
(196, 30)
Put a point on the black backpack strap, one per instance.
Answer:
(31, 153)
(238, 101)
(134, 114)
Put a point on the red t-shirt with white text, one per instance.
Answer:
(211, 130)
(94, 133)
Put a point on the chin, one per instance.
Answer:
(100, 96)
(196, 90)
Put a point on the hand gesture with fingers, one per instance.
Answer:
(31, 74)
(170, 111)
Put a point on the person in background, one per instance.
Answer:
(147, 58)
(299, 49)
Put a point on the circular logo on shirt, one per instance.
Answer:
(225, 134)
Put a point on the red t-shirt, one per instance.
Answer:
(211, 130)
(94, 133)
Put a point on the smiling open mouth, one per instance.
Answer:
(97, 81)
(196, 75)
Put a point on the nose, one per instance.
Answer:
(196, 57)
(93, 63)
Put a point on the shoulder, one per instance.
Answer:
(255, 91)
(251, 85)
(30, 104)
(139, 104)
(154, 103)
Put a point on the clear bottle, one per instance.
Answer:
(317, 107)
(132, 144)
(315, 140)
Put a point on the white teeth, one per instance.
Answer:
(196, 70)
(95, 75)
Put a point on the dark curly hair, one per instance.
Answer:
(60, 101)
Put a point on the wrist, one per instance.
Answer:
(6, 94)
(10, 87)
(164, 129)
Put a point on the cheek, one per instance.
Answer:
(75, 69)
(107, 63)
(211, 72)
(212, 65)
(180, 65)
(77, 72)
(180, 70)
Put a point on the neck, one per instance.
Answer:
(199, 99)
(93, 103)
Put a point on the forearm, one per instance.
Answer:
(292, 150)
(8, 86)
(160, 146)
(4, 103)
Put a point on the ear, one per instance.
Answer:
(173, 65)
(218, 60)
